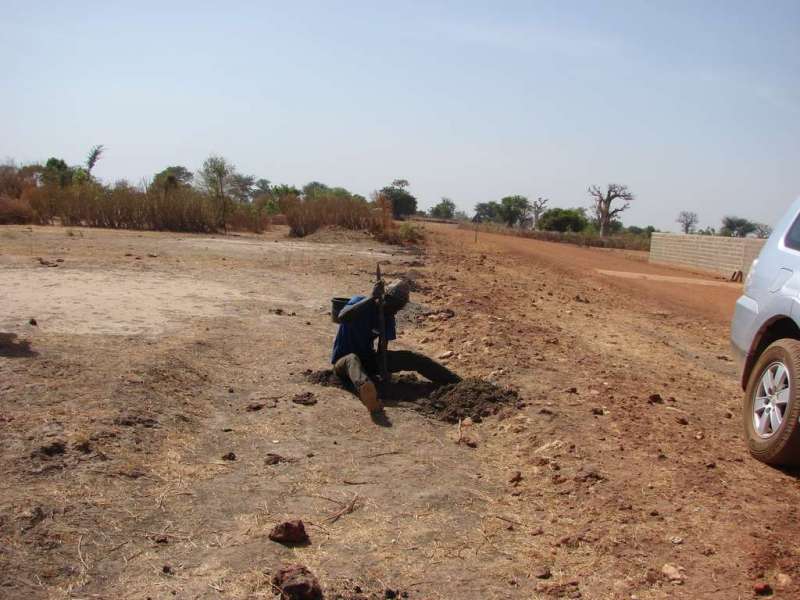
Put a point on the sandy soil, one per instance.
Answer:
(153, 355)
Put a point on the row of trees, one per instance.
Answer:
(215, 197)
(606, 206)
(731, 226)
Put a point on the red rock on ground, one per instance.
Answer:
(296, 582)
(289, 532)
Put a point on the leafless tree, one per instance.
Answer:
(537, 208)
(763, 230)
(688, 221)
(602, 203)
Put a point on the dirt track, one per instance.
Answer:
(628, 455)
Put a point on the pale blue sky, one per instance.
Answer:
(695, 105)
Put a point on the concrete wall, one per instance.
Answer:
(719, 255)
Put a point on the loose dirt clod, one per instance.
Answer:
(290, 533)
(274, 459)
(229, 456)
(473, 398)
(296, 582)
(305, 399)
(50, 450)
(325, 377)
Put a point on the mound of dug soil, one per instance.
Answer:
(473, 398)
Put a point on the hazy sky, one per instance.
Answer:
(695, 105)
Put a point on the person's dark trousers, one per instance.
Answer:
(350, 367)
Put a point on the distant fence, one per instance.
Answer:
(720, 255)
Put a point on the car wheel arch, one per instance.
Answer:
(776, 328)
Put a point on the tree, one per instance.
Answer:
(688, 221)
(403, 203)
(242, 187)
(444, 210)
(707, 231)
(602, 202)
(172, 178)
(514, 210)
(91, 160)
(487, 212)
(537, 208)
(460, 215)
(564, 219)
(763, 230)
(263, 187)
(736, 227)
(215, 176)
(56, 172)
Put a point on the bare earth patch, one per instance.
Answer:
(150, 441)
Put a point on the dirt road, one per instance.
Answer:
(155, 355)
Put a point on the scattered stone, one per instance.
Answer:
(445, 355)
(515, 478)
(672, 573)
(655, 399)
(50, 450)
(274, 459)
(711, 465)
(782, 581)
(133, 420)
(676, 540)
(572, 390)
(229, 456)
(598, 411)
(762, 589)
(255, 406)
(296, 582)
(542, 572)
(289, 533)
(230, 390)
(161, 539)
(167, 570)
(589, 473)
(305, 399)
(276, 311)
(682, 420)
(83, 446)
(33, 322)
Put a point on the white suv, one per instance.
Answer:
(765, 334)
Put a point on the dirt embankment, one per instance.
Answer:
(151, 438)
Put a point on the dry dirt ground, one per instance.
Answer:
(155, 355)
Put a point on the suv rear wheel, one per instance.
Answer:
(772, 405)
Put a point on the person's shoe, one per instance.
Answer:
(379, 417)
(368, 394)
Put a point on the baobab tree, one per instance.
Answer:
(537, 208)
(688, 221)
(602, 202)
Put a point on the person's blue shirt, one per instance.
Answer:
(358, 336)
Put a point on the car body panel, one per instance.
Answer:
(772, 293)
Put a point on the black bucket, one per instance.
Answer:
(337, 304)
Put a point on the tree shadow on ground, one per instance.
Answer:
(12, 347)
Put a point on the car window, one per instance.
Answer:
(792, 239)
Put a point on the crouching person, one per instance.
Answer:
(354, 357)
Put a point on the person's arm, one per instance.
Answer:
(351, 311)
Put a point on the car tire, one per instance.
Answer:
(774, 445)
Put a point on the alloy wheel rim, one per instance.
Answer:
(771, 400)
